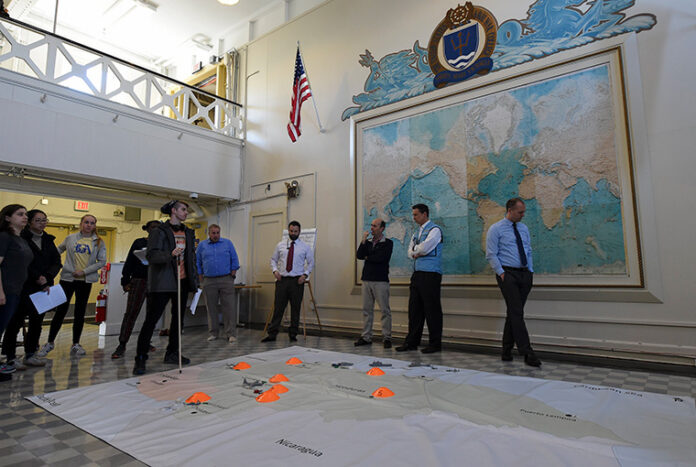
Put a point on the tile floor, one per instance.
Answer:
(30, 436)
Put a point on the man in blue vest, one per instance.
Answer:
(509, 252)
(424, 292)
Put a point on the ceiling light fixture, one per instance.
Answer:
(149, 4)
(228, 2)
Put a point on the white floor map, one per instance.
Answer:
(325, 409)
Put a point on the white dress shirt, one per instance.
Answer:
(427, 245)
(302, 259)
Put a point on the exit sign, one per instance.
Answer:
(81, 205)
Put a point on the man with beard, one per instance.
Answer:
(292, 262)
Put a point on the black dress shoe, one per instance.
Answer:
(506, 356)
(293, 338)
(139, 368)
(268, 339)
(430, 349)
(387, 344)
(406, 347)
(532, 360)
(173, 358)
(118, 353)
(361, 341)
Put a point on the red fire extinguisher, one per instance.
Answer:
(101, 306)
(104, 273)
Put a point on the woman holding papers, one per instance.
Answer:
(85, 255)
(43, 268)
(15, 256)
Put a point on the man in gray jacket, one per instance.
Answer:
(172, 258)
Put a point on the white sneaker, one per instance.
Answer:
(231, 339)
(47, 347)
(77, 349)
(211, 338)
(17, 363)
(34, 361)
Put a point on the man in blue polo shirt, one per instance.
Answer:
(509, 252)
(218, 263)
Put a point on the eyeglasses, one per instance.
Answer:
(40, 221)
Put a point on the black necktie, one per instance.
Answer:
(520, 247)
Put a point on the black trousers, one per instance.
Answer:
(287, 289)
(31, 340)
(424, 307)
(81, 289)
(136, 297)
(156, 303)
(515, 288)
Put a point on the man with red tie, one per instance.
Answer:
(292, 262)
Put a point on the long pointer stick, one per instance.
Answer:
(178, 301)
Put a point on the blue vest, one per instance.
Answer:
(432, 262)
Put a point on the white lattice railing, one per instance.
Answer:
(42, 55)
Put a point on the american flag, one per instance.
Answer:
(300, 93)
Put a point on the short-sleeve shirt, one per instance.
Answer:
(16, 255)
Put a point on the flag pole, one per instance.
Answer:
(321, 128)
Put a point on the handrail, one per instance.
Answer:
(105, 54)
(58, 60)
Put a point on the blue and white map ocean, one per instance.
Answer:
(551, 143)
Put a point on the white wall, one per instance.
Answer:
(335, 34)
(75, 136)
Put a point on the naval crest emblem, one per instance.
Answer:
(461, 45)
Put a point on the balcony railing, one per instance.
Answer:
(40, 54)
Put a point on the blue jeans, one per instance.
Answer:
(8, 310)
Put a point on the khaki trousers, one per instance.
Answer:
(379, 291)
(219, 298)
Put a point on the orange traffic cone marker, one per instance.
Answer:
(294, 361)
(279, 389)
(198, 398)
(376, 371)
(382, 392)
(268, 396)
(241, 366)
(279, 378)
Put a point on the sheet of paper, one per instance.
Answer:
(140, 254)
(194, 301)
(44, 301)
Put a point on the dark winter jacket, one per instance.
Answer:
(133, 268)
(162, 270)
(46, 261)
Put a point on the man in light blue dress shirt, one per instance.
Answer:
(217, 263)
(292, 263)
(509, 252)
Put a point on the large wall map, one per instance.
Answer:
(558, 142)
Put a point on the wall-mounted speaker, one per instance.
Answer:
(132, 214)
